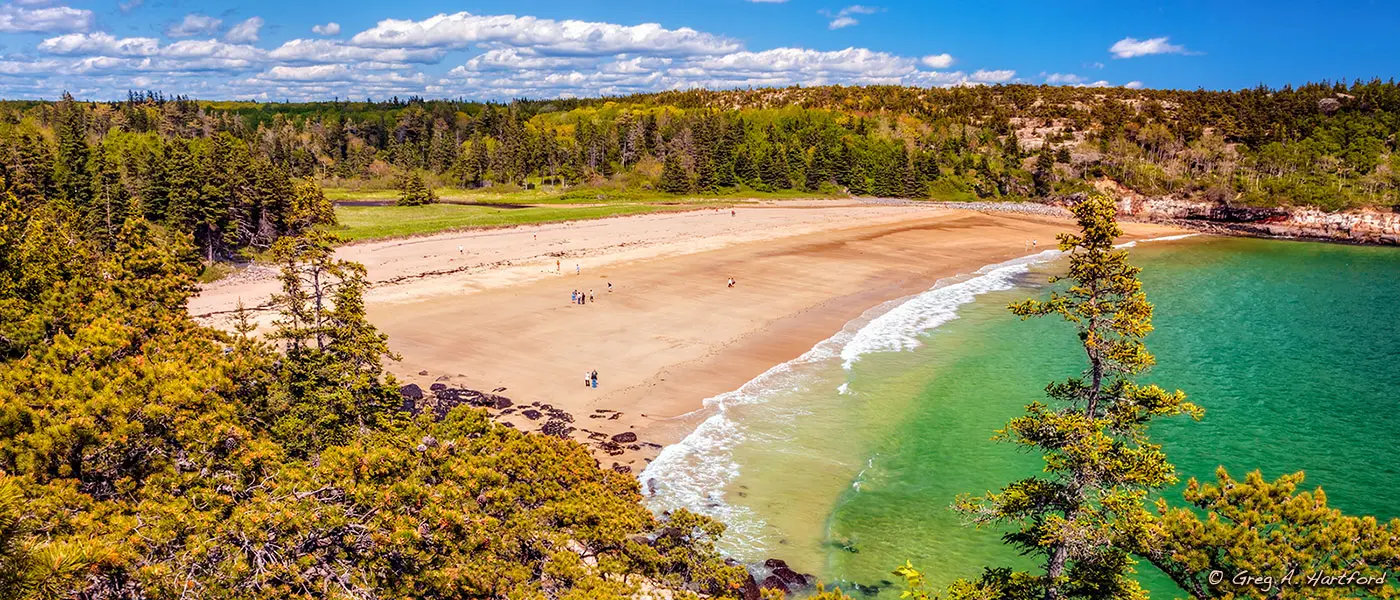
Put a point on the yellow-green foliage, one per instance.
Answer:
(145, 456)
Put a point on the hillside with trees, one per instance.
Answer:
(145, 456)
(238, 175)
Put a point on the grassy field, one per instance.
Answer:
(459, 209)
(371, 222)
(591, 195)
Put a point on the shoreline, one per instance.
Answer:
(496, 317)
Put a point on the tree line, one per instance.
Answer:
(218, 168)
(145, 456)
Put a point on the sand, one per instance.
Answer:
(497, 314)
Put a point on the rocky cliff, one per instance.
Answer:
(1358, 226)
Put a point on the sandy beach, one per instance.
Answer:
(491, 309)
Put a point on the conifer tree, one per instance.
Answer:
(414, 191)
(1044, 173)
(673, 177)
(1086, 516)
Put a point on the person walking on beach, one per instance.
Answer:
(731, 282)
(609, 287)
(577, 269)
(594, 378)
(573, 298)
(587, 375)
(459, 248)
(556, 265)
(590, 296)
(732, 213)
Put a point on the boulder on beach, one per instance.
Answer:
(412, 391)
(625, 437)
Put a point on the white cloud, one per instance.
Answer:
(1073, 80)
(938, 61)
(15, 18)
(194, 24)
(506, 56)
(996, 76)
(1133, 85)
(129, 5)
(1063, 79)
(331, 51)
(102, 43)
(1130, 47)
(842, 22)
(518, 59)
(547, 36)
(245, 32)
(842, 18)
(331, 28)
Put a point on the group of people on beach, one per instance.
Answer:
(579, 297)
(590, 379)
(1030, 245)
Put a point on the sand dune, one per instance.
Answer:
(671, 333)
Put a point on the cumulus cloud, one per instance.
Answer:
(505, 56)
(1133, 85)
(548, 36)
(100, 43)
(938, 61)
(331, 28)
(1063, 79)
(1130, 47)
(245, 32)
(18, 18)
(331, 51)
(194, 24)
(995, 76)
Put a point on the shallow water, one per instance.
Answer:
(844, 462)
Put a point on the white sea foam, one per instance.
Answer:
(1165, 238)
(899, 329)
(695, 472)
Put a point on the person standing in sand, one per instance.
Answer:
(577, 269)
(590, 296)
(557, 265)
(609, 287)
(459, 249)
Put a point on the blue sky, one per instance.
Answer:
(320, 49)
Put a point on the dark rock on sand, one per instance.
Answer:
(412, 391)
(625, 437)
(532, 414)
(437, 387)
(422, 372)
(624, 469)
(556, 428)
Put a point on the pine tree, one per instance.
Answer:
(1044, 173)
(414, 191)
(1087, 514)
(673, 177)
(71, 162)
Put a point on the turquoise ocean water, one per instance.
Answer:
(844, 462)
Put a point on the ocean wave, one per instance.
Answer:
(695, 472)
(900, 327)
(1165, 238)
